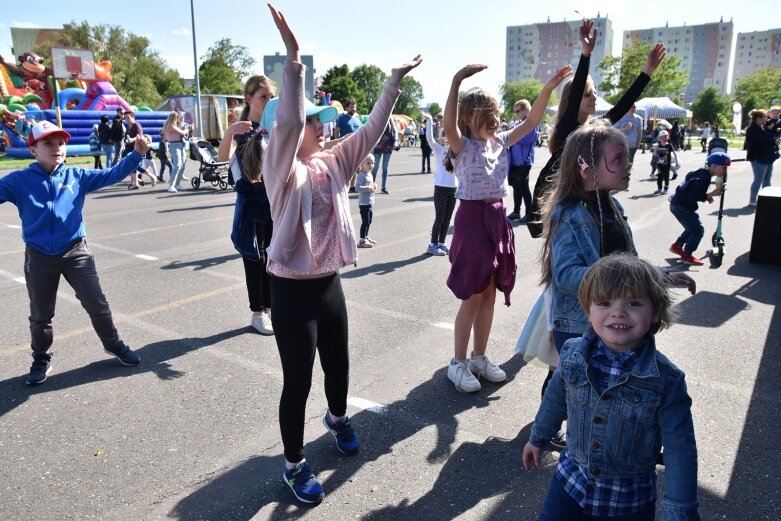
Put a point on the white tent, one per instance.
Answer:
(603, 107)
(662, 108)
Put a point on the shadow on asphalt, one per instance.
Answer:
(200, 264)
(154, 358)
(191, 208)
(383, 268)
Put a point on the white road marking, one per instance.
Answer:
(365, 405)
(444, 325)
(20, 280)
(147, 257)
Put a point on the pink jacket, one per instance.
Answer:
(287, 179)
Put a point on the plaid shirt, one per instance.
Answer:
(606, 497)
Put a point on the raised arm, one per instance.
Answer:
(632, 94)
(451, 107)
(538, 109)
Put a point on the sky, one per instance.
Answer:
(447, 33)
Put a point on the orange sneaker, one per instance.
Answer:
(678, 250)
(691, 259)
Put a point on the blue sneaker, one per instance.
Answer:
(303, 483)
(124, 354)
(346, 440)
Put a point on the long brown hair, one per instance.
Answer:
(253, 84)
(476, 106)
(568, 187)
(565, 91)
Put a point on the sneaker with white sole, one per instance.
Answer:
(434, 249)
(370, 240)
(458, 372)
(443, 247)
(482, 367)
(172, 190)
(363, 243)
(39, 370)
(261, 322)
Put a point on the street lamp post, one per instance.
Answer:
(197, 120)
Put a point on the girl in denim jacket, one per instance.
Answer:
(624, 400)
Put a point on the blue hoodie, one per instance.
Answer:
(50, 205)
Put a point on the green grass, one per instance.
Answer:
(9, 163)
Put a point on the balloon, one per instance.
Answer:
(338, 105)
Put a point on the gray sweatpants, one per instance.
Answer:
(42, 275)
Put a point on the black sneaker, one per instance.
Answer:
(514, 216)
(124, 354)
(352, 190)
(346, 440)
(42, 365)
(303, 483)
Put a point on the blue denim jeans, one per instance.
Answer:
(559, 506)
(692, 228)
(385, 161)
(109, 151)
(762, 175)
(176, 151)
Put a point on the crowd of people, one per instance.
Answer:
(623, 401)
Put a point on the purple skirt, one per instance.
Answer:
(483, 247)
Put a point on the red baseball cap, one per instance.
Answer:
(45, 129)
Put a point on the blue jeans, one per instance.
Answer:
(109, 151)
(762, 175)
(692, 228)
(176, 151)
(385, 161)
(559, 506)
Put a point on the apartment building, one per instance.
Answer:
(538, 50)
(754, 51)
(705, 51)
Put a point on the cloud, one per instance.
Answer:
(182, 31)
(182, 63)
(27, 25)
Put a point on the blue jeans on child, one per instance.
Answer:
(559, 506)
(692, 228)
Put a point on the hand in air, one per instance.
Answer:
(655, 58)
(402, 70)
(588, 37)
(469, 70)
(560, 76)
(291, 42)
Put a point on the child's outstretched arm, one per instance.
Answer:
(451, 107)
(538, 109)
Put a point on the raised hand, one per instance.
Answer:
(655, 58)
(469, 70)
(557, 78)
(291, 42)
(142, 144)
(588, 37)
(402, 70)
(425, 114)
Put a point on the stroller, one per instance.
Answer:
(210, 170)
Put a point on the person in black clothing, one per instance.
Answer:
(675, 136)
(106, 144)
(577, 105)
(425, 149)
(118, 135)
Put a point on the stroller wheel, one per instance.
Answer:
(223, 185)
(196, 182)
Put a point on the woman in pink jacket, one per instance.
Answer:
(313, 239)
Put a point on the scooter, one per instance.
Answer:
(717, 254)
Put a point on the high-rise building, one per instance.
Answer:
(755, 51)
(539, 50)
(272, 68)
(704, 50)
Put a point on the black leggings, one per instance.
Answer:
(426, 162)
(255, 274)
(662, 176)
(518, 178)
(444, 203)
(309, 314)
(366, 219)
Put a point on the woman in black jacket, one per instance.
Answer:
(760, 152)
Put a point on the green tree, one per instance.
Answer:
(236, 57)
(524, 89)
(340, 83)
(619, 72)
(409, 99)
(712, 106)
(370, 80)
(138, 73)
(761, 90)
(216, 77)
(434, 109)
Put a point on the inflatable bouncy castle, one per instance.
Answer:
(26, 96)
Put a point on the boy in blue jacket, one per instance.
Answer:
(683, 204)
(50, 198)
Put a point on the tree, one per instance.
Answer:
(517, 90)
(216, 77)
(712, 106)
(619, 72)
(409, 99)
(138, 73)
(340, 83)
(434, 109)
(760, 90)
(371, 80)
(235, 57)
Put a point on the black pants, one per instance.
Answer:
(164, 162)
(309, 314)
(444, 203)
(518, 178)
(257, 278)
(42, 276)
(366, 219)
(426, 164)
(98, 162)
(662, 176)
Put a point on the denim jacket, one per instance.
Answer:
(575, 246)
(620, 433)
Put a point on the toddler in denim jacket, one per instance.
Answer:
(623, 401)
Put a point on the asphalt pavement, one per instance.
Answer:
(192, 433)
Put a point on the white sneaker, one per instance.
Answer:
(262, 323)
(462, 377)
(482, 367)
(363, 243)
(434, 249)
(172, 190)
(443, 247)
(371, 241)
